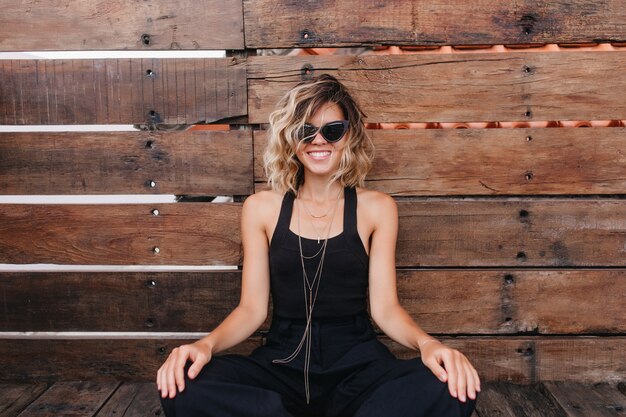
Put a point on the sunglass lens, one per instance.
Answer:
(334, 131)
(308, 132)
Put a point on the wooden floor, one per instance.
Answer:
(88, 398)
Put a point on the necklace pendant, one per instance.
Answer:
(318, 240)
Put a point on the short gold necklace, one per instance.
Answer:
(319, 235)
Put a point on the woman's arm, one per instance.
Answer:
(245, 318)
(392, 318)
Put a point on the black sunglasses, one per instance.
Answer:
(332, 132)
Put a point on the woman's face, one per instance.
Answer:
(320, 157)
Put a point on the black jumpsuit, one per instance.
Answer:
(351, 373)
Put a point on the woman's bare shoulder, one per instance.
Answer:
(263, 205)
(375, 201)
(376, 207)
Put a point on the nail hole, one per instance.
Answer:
(521, 256)
(150, 73)
(529, 138)
(150, 322)
(161, 350)
(523, 213)
(528, 176)
(149, 144)
(528, 114)
(155, 212)
(145, 39)
(527, 69)
(509, 279)
(306, 72)
(508, 319)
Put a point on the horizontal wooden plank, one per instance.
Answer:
(512, 232)
(441, 301)
(181, 234)
(455, 87)
(433, 232)
(15, 397)
(116, 24)
(272, 24)
(193, 162)
(121, 91)
(491, 161)
(514, 359)
(92, 359)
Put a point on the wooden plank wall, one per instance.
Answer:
(511, 242)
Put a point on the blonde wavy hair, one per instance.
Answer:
(283, 168)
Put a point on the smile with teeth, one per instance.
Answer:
(319, 154)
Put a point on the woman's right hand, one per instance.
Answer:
(171, 374)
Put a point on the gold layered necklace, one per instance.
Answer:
(310, 288)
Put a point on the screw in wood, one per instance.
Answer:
(150, 73)
(523, 213)
(151, 283)
(521, 256)
(145, 39)
(528, 176)
(529, 138)
(149, 322)
(155, 212)
(151, 183)
(509, 279)
(156, 250)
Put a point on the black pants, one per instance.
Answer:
(351, 374)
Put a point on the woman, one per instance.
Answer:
(303, 244)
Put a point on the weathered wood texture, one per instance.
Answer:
(111, 91)
(15, 397)
(133, 400)
(579, 400)
(490, 161)
(98, 358)
(181, 234)
(516, 359)
(507, 400)
(147, 25)
(520, 86)
(441, 301)
(194, 162)
(433, 232)
(271, 24)
(72, 398)
(513, 232)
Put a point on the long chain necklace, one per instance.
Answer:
(310, 296)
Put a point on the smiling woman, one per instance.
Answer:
(323, 247)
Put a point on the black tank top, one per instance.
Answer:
(344, 279)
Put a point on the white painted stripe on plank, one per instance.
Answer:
(100, 335)
(89, 199)
(106, 54)
(113, 268)
(68, 128)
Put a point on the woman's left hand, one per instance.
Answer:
(461, 376)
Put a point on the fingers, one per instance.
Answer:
(170, 375)
(463, 381)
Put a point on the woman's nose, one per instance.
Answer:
(318, 138)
